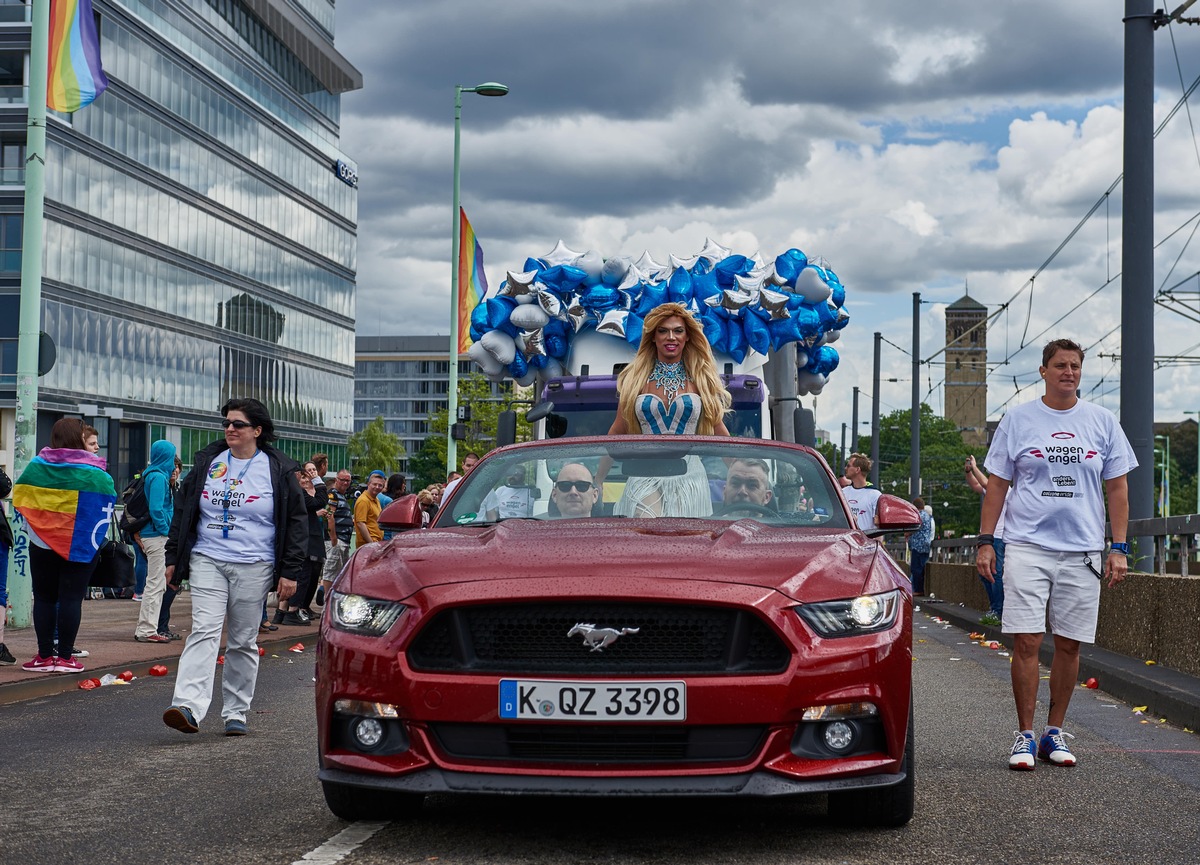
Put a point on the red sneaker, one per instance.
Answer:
(67, 665)
(39, 665)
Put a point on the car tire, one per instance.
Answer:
(881, 807)
(365, 803)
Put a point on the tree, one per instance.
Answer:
(943, 454)
(474, 392)
(374, 448)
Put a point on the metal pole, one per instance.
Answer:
(30, 319)
(1137, 252)
(842, 452)
(854, 424)
(452, 393)
(875, 415)
(914, 473)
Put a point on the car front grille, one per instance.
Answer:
(517, 639)
(611, 744)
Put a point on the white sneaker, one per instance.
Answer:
(1024, 753)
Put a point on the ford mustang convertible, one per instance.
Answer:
(630, 615)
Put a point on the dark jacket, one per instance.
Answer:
(6, 535)
(316, 524)
(291, 515)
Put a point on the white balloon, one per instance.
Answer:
(499, 345)
(590, 263)
(615, 269)
(529, 378)
(833, 336)
(484, 358)
(529, 317)
(810, 285)
(809, 382)
(801, 358)
(552, 369)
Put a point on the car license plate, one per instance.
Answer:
(592, 701)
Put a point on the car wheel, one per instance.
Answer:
(882, 807)
(364, 803)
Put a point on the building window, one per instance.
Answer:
(10, 242)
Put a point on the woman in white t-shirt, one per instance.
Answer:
(1060, 456)
(240, 524)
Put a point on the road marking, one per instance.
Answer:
(340, 845)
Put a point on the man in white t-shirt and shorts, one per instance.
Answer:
(514, 500)
(861, 497)
(1060, 456)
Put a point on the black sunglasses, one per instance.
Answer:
(579, 486)
(236, 424)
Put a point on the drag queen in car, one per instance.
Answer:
(671, 388)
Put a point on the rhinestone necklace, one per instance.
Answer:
(671, 377)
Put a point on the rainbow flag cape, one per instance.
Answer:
(66, 496)
(74, 77)
(472, 281)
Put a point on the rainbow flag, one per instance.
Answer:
(472, 281)
(74, 77)
(66, 496)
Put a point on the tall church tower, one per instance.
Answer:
(966, 368)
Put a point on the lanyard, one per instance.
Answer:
(230, 484)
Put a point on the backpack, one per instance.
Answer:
(136, 515)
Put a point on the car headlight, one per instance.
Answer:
(862, 615)
(361, 615)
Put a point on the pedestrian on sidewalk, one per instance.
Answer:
(156, 486)
(6, 545)
(240, 524)
(169, 594)
(919, 544)
(978, 481)
(66, 498)
(339, 523)
(296, 611)
(1060, 456)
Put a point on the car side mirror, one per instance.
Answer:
(401, 515)
(894, 514)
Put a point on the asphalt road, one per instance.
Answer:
(94, 777)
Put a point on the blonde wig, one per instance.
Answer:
(698, 361)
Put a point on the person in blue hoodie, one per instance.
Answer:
(156, 481)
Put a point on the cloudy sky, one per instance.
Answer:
(918, 145)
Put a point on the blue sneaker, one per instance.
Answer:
(1022, 754)
(234, 727)
(181, 718)
(1053, 749)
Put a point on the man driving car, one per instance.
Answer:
(574, 493)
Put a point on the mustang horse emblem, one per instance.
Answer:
(599, 639)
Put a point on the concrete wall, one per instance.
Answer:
(1149, 616)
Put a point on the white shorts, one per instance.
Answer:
(1041, 584)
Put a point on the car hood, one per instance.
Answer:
(806, 564)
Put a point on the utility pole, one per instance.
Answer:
(854, 424)
(875, 415)
(842, 452)
(914, 476)
(1137, 255)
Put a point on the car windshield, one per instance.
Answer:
(622, 478)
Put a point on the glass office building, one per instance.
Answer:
(200, 232)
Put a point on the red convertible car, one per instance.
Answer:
(641, 615)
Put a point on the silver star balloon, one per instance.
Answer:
(613, 323)
(578, 316)
(519, 286)
(713, 251)
(561, 254)
(633, 276)
(749, 283)
(733, 299)
(686, 263)
(774, 302)
(652, 270)
(532, 342)
(548, 301)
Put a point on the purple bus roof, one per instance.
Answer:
(745, 389)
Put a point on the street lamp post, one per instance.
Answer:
(489, 88)
(1165, 476)
(1197, 414)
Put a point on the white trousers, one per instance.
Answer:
(223, 593)
(156, 585)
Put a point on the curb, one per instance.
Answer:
(1166, 693)
(49, 684)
